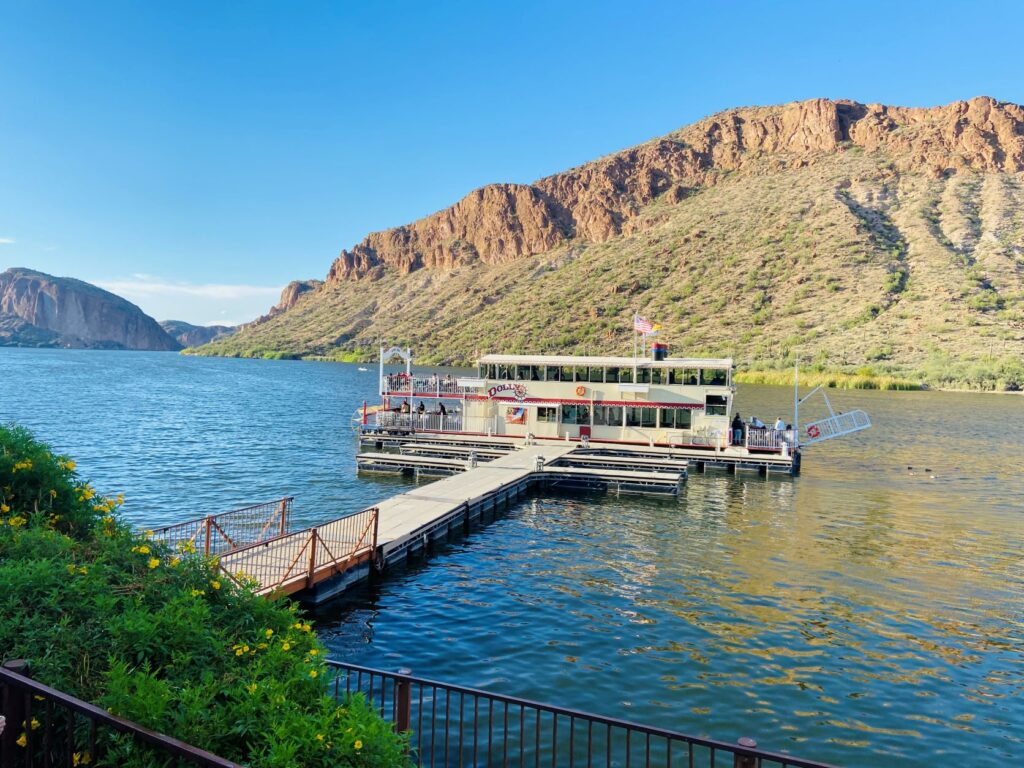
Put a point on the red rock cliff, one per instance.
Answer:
(596, 201)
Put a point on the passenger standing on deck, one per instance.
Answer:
(780, 425)
(737, 429)
(421, 408)
(405, 406)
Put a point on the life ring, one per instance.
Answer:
(581, 391)
(813, 431)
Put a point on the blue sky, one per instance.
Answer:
(196, 157)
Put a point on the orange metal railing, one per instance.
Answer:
(227, 531)
(299, 560)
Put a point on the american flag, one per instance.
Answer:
(642, 325)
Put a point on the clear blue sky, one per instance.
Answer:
(198, 156)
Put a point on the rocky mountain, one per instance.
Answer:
(41, 310)
(189, 335)
(852, 234)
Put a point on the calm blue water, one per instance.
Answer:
(863, 613)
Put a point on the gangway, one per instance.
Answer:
(832, 426)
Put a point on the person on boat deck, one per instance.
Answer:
(737, 428)
(421, 408)
(756, 423)
(780, 425)
(405, 406)
(441, 409)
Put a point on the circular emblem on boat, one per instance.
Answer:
(581, 391)
(813, 431)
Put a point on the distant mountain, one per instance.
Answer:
(41, 310)
(849, 234)
(189, 335)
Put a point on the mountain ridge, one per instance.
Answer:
(844, 232)
(38, 309)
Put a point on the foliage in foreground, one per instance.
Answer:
(158, 637)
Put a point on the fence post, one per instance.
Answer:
(403, 700)
(745, 761)
(312, 558)
(14, 711)
(209, 525)
(284, 516)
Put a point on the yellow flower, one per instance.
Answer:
(142, 550)
(313, 652)
(4, 508)
(81, 758)
(148, 534)
(319, 737)
(173, 562)
(53, 493)
(251, 687)
(358, 744)
(215, 584)
(34, 724)
(120, 498)
(197, 593)
(153, 563)
(286, 646)
(17, 521)
(312, 673)
(22, 740)
(268, 634)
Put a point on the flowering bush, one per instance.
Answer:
(107, 615)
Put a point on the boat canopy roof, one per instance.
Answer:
(609, 362)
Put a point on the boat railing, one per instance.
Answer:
(768, 439)
(434, 422)
(433, 385)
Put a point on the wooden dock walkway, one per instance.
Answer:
(412, 519)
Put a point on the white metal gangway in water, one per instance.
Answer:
(834, 425)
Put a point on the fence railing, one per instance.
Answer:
(455, 725)
(215, 534)
(46, 727)
(302, 559)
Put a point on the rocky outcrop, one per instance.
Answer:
(291, 293)
(601, 200)
(66, 312)
(189, 335)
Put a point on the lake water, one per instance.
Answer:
(862, 613)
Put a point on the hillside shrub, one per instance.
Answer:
(161, 638)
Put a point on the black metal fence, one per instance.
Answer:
(457, 726)
(45, 727)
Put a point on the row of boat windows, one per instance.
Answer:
(709, 377)
(617, 416)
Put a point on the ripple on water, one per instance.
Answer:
(864, 613)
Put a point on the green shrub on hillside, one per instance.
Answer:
(161, 638)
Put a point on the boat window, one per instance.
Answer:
(582, 373)
(716, 405)
(575, 414)
(505, 372)
(522, 373)
(674, 418)
(641, 417)
(643, 375)
(686, 377)
(611, 375)
(566, 373)
(625, 375)
(554, 373)
(713, 377)
(608, 415)
(656, 375)
(547, 415)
